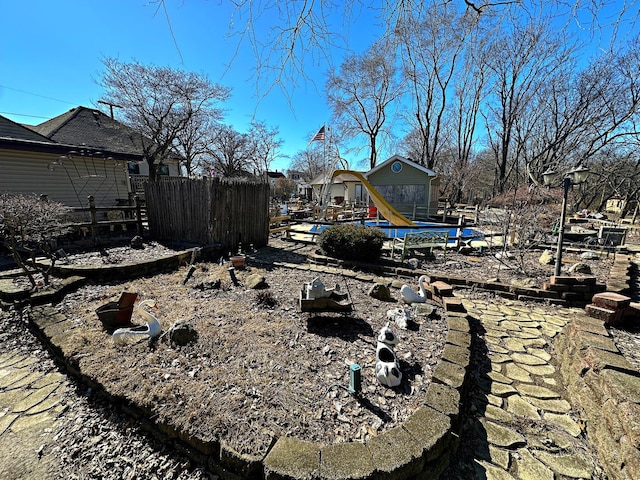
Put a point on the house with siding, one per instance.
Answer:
(409, 187)
(80, 153)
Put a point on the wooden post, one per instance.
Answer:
(94, 219)
(138, 214)
(459, 231)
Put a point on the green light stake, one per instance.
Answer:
(355, 379)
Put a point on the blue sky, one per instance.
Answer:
(51, 51)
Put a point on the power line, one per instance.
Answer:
(23, 115)
(36, 95)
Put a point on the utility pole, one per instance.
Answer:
(111, 105)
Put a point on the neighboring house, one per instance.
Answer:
(303, 189)
(273, 178)
(92, 128)
(32, 163)
(344, 189)
(409, 187)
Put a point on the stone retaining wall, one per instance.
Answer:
(419, 448)
(606, 387)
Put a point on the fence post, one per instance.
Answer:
(94, 219)
(461, 223)
(138, 214)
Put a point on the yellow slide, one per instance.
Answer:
(393, 216)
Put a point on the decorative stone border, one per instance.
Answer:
(419, 448)
(561, 290)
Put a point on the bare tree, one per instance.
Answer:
(309, 162)
(520, 61)
(362, 91)
(192, 142)
(433, 50)
(266, 146)
(229, 154)
(29, 227)
(160, 103)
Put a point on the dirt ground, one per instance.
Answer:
(260, 368)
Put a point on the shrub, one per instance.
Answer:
(350, 241)
(29, 227)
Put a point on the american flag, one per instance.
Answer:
(318, 136)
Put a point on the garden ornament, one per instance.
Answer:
(317, 289)
(409, 295)
(151, 330)
(387, 336)
(387, 368)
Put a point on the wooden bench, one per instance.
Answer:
(279, 224)
(420, 241)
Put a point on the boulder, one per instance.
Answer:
(182, 333)
(380, 291)
(137, 242)
(547, 258)
(255, 281)
(580, 268)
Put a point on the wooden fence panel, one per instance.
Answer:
(228, 212)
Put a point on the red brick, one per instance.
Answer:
(604, 314)
(452, 304)
(611, 300)
(570, 280)
(441, 289)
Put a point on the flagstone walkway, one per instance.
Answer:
(30, 403)
(521, 424)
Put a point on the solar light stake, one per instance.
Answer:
(355, 378)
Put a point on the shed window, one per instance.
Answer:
(402, 193)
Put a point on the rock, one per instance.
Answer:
(580, 268)
(589, 256)
(400, 317)
(255, 281)
(524, 282)
(380, 291)
(182, 333)
(425, 309)
(413, 263)
(547, 258)
(212, 285)
(137, 242)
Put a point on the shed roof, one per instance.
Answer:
(422, 168)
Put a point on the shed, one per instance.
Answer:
(410, 188)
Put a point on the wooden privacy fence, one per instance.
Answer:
(229, 212)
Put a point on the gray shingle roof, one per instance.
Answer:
(86, 126)
(12, 130)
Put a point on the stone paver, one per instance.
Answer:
(527, 422)
(29, 408)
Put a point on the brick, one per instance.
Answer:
(441, 289)
(346, 461)
(570, 280)
(611, 300)
(452, 304)
(606, 315)
(396, 454)
(292, 458)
